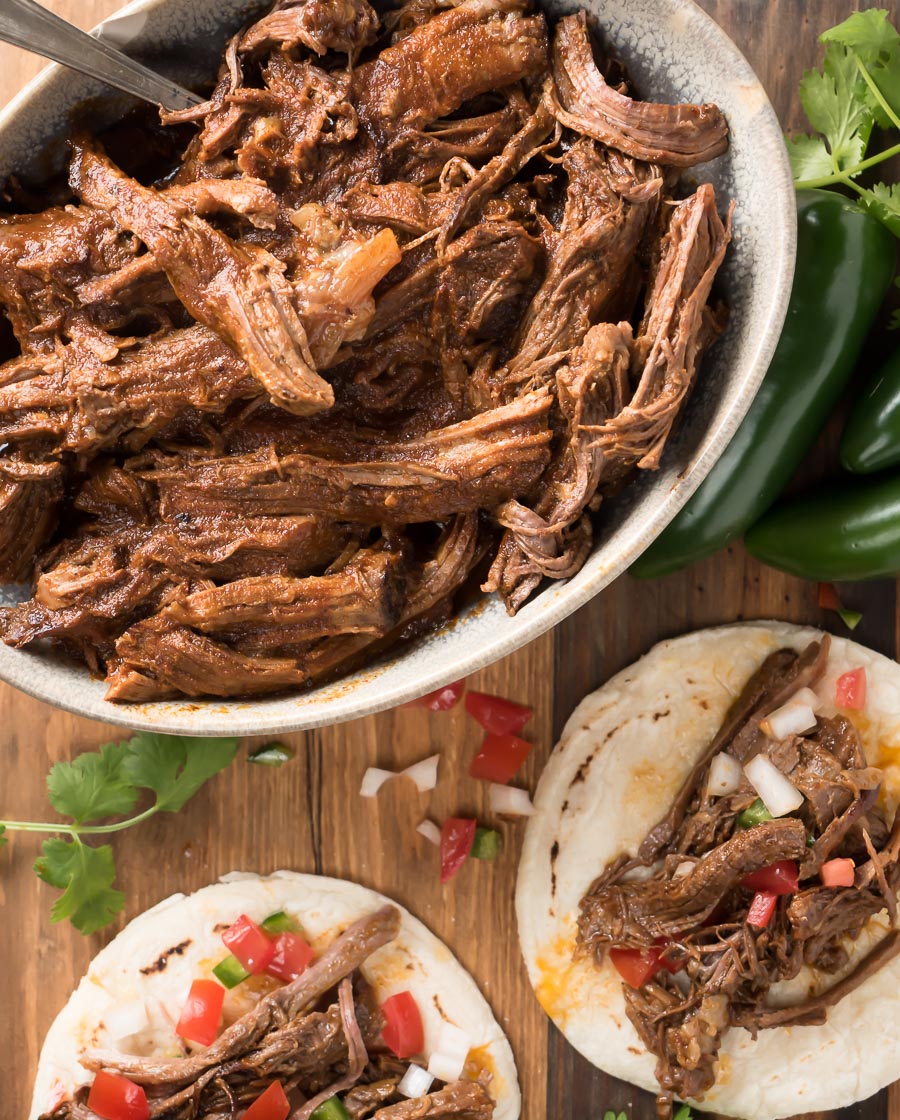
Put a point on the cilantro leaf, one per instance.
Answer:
(887, 78)
(684, 1113)
(883, 203)
(871, 34)
(809, 158)
(93, 786)
(836, 101)
(873, 40)
(85, 876)
(175, 767)
(107, 783)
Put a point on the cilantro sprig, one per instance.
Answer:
(112, 782)
(857, 90)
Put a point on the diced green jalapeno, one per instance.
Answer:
(488, 844)
(230, 972)
(756, 814)
(272, 754)
(332, 1109)
(279, 922)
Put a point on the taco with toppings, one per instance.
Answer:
(289, 996)
(707, 898)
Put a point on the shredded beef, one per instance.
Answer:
(318, 1036)
(693, 904)
(407, 268)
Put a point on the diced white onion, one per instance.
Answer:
(510, 801)
(684, 868)
(724, 775)
(415, 1082)
(129, 1019)
(778, 794)
(424, 773)
(373, 780)
(682, 982)
(790, 719)
(430, 831)
(807, 696)
(448, 1060)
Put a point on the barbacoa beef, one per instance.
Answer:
(414, 284)
(693, 902)
(319, 1036)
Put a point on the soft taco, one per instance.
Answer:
(707, 893)
(293, 995)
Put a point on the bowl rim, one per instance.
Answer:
(339, 701)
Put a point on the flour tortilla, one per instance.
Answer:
(157, 956)
(623, 755)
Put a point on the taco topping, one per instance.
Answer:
(272, 1105)
(117, 1098)
(317, 1048)
(774, 856)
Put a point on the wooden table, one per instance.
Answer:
(308, 815)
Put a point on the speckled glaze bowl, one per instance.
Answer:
(674, 52)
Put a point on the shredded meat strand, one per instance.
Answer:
(410, 275)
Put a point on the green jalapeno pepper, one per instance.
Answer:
(871, 439)
(843, 531)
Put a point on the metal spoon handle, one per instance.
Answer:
(26, 24)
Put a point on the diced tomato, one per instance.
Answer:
(457, 838)
(636, 966)
(200, 1017)
(782, 877)
(403, 1031)
(838, 873)
(761, 909)
(250, 944)
(670, 957)
(497, 715)
(116, 1098)
(272, 1105)
(850, 690)
(829, 600)
(441, 700)
(292, 957)
(499, 758)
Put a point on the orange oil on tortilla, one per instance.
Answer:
(554, 968)
(480, 1063)
(648, 780)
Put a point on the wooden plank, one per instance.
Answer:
(307, 815)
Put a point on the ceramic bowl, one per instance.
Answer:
(674, 52)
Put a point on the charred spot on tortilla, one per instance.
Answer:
(554, 855)
(660, 715)
(162, 961)
(582, 772)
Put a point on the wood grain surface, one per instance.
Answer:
(308, 815)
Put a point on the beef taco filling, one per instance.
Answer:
(318, 1042)
(773, 858)
(410, 296)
